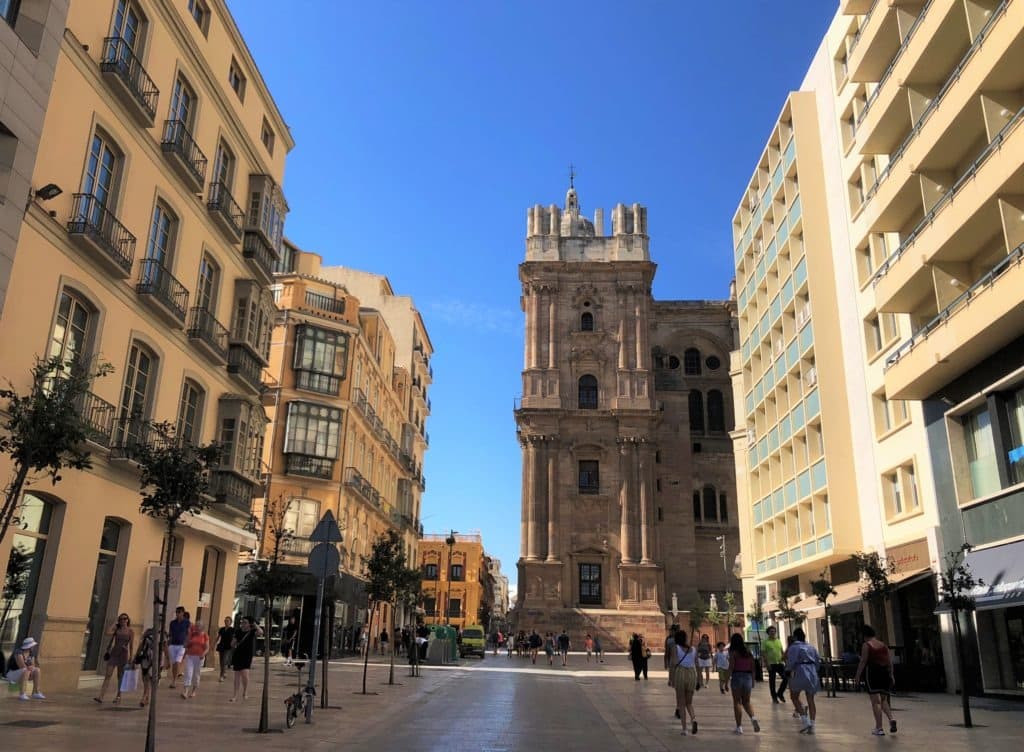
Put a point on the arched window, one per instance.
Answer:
(588, 392)
(72, 330)
(28, 545)
(190, 411)
(710, 511)
(691, 362)
(96, 637)
(696, 411)
(136, 395)
(587, 322)
(716, 411)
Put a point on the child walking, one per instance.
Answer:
(722, 664)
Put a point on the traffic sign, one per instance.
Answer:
(324, 560)
(327, 530)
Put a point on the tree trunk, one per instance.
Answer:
(268, 604)
(11, 499)
(369, 634)
(965, 699)
(392, 643)
(159, 642)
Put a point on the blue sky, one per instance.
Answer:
(425, 129)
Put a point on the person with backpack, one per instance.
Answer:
(704, 660)
(684, 680)
(144, 661)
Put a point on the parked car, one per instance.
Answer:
(473, 641)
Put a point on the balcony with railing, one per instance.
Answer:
(260, 255)
(126, 77)
(128, 435)
(359, 400)
(353, 479)
(295, 546)
(234, 492)
(97, 418)
(98, 232)
(226, 212)
(308, 466)
(246, 366)
(165, 294)
(184, 154)
(315, 381)
(325, 303)
(208, 335)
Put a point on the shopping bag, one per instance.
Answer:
(130, 680)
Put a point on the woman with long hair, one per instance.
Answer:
(802, 661)
(196, 649)
(741, 682)
(118, 656)
(244, 647)
(684, 680)
(876, 666)
(147, 668)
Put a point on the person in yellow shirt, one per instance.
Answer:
(771, 659)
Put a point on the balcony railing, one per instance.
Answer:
(119, 58)
(223, 206)
(1015, 256)
(313, 381)
(204, 327)
(155, 280)
(242, 363)
(359, 400)
(227, 488)
(325, 302)
(179, 142)
(354, 480)
(311, 467)
(129, 434)
(259, 254)
(90, 219)
(297, 546)
(863, 23)
(98, 418)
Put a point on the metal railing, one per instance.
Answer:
(97, 416)
(1014, 257)
(325, 302)
(119, 57)
(359, 400)
(155, 280)
(178, 140)
(255, 248)
(243, 363)
(939, 205)
(312, 467)
(91, 218)
(129, 433)
(222, 202)
(204, 326)
(354, 480)
(297, 546)
(227, 488)
(314, 381)
(863, 23)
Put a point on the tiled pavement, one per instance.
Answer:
(490, 706)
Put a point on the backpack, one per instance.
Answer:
(703, 652)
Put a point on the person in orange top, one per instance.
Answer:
(196, 648)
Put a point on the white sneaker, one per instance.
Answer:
(38, 696)
(23, 696)
(878, 732)
(738, 730)
(686, 731)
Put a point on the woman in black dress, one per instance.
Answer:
(243, 647)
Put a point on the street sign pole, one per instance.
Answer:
(323, 560)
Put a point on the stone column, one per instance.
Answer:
(552, 334)
(531, 499)
(645, 501)
(531, 327)
(625, 533)
(552, 450)
(638, 315)
(541, 497)
(622, 329)
(524, 525)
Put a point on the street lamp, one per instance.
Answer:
(721, 550)
(450, 540)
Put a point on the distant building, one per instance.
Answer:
(456, 582)
(501, 606)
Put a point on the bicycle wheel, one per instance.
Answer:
(309, 708)
(291, 713)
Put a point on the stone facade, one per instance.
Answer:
(617, 473)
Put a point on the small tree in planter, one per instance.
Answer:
(385, 570)
(876, 587)
(823, 590)
(174, 479)
(793, 617)
(714, 617)
(44, 431)
(956, 584)
(268, 581)
(698, 615)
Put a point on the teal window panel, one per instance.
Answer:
(810, 548)
(818, 476)
(778, 501)
(776, 178)
(761, 567)
(757, 215)
(752, 458)
(790, 154)
(746, 350)
(751, 284)
(743, 298)
(798, 417)
(786, 427)
(771, 252)
(782, 233)
(773, 439)
(794, 212)
(825, 543)
(757, 513)
(795, 554)
(762, 448)
(813, 402)
(783, 558)
(800, 272)
(789, 491)
(765, 324)
(750, 403)
(806, 337)
(758, 392)
(769, 381)
(771, 562)
(762, 265)
(780, 368)
(803, 485)
(775, 308)
(787, 291)
(792, 354)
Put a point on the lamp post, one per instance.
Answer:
(450, 540)
(721, 539)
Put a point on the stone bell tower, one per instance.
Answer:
(587, 424)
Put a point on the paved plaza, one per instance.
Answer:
(491, 706)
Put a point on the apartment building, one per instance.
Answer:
(337, 403)
(146, 261)
(30, 38)
(457, 586)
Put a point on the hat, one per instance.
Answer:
(28, 644)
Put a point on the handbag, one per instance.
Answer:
(130, 680)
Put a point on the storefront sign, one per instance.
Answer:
(911, 557)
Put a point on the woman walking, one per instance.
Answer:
(243, 647)
(224, 637)
(196, 649)
(741, 681)
(704, 660)
(118, 656)
(148, 671)
(636, 655)
(876, 666)
(549, 647)
(802, 661)
(684, 680)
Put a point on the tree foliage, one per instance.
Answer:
(733, 619)
(698, 615)
(792, 615)
(389, 581)
(957, 582)
(756, 617)
(875, 571)
(44, 432)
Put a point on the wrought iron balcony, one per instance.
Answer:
(259, 254)
(313, 381)
(297, 546)
(311, 467)
(208, 334)
(324, 302)
(184, 154)
(128, 79)
(354, 480)
(129, 434)
(359, 400)
(169, 296)
(225, 211)
(97, 230)
(233, 491)
(246, 366)
(97, 417)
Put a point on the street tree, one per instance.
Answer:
(698, 615)
(733, 619)
(174, 481)
(268, 581)
(43, 430)
(408, 594)
(823, 590)
(794, 617)
(876, 585)
(385, 568)
(956, 587)
(756, 617)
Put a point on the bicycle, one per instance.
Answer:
(301, 701)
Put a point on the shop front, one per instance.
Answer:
(1000, 616)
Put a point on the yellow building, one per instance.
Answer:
(338, 403)
(456, 579)
(158, 117)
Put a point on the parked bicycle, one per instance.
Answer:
(302, 700)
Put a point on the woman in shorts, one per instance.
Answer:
(802, 662)
(876, 667)
(741, 681)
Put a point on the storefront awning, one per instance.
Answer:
(849, 593)
(1002, 570)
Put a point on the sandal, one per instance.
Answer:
(97, 699)
(117, 700)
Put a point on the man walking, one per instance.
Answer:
(563, 646)
(178, 635)
(771, 657)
